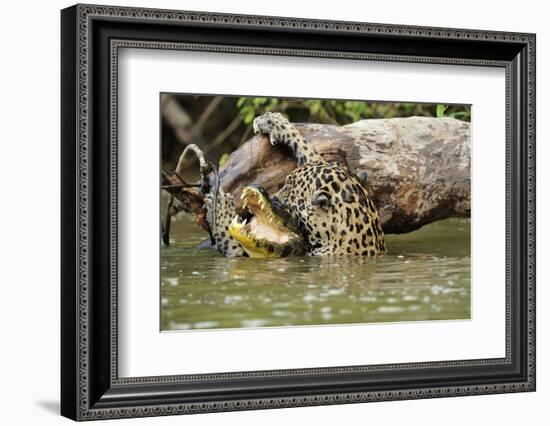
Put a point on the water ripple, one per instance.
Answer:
(425, 275)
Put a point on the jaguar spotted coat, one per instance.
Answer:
(322, 209)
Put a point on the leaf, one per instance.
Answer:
(273, 102)
(240, 102)
(223, 159)
(258, 102)
(249, 116)
(314, 107)
(440, 111)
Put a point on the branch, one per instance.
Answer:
(207, 113)
(225, 133)
(177, 118)
(187, 198)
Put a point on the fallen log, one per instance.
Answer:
(183, 197)
(416, 169)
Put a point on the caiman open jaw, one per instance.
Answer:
(265, 234)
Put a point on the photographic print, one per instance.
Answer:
(300, 212)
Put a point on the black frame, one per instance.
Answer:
(91, 37)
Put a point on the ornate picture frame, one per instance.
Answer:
(91, 39)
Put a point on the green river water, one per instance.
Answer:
(424, 276)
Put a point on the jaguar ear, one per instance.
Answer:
(321, 199)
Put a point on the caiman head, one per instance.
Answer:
(267, 229)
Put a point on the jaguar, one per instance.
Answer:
(322, 208)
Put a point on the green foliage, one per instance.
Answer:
(440, 111)
(251, 107)
(342, 112)
(453, 111)
(223, 159)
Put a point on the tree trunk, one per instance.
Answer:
(417, 169)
